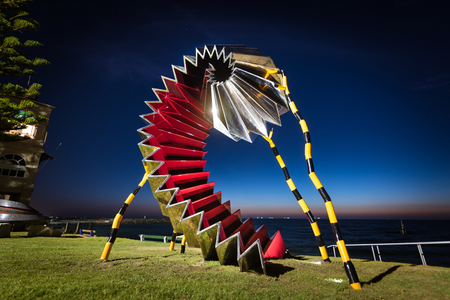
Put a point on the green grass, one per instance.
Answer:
(69, 268)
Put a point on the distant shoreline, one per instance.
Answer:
(145, 221)
(109, 221)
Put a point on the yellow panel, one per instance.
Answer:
(272, 145)
(129, 199)
(303, 205)
(304, 126)
(285, 85)
(172, 245)
(293, 107)
(330, 212)
(144, 179)
(343, 251)
(291, 184)
(106, 251)
(117, 220)
(147, 150)
(151, 165)
(280, 161)
(315, 229)
(156, 182)
(270, 72)
(315, 180)
(356, 286)
(323, 252)
(308, 151)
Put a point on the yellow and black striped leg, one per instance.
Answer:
(301, 202)
(172, 242)
(183, 244)
(119, 216)
(348, 265)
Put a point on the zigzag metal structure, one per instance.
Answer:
(172, 147)
(235, 90)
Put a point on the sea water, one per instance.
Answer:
(299, 238)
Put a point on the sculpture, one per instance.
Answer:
(236, 90)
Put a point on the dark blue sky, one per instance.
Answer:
(371, 78)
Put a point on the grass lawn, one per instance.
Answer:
(69, 268)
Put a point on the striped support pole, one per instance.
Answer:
(172, 242)
(119, 216)
(183, 244)
(348, 265)
(301, 202)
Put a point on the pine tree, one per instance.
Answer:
(14, 63)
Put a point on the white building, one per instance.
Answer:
(19, 160)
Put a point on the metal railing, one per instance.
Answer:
(419, 247)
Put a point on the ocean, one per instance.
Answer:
(299, 239)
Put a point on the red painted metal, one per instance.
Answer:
(178, 129)
(199, 189)
(260, 234)
(246, 229)
(204, 204)
(173, 165)
(275, 248)
(189, 177)
(188, 153)
(221, 209)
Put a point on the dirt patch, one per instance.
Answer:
(198, 264)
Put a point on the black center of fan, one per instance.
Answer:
(221, 71)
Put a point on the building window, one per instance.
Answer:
(12, 165)
(29, 131)
(9, 196)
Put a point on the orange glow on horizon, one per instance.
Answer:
(431, 211)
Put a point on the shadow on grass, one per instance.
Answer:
(63, 237)
(296, 257)
(126, 258)
(378, 278)
(275, 270)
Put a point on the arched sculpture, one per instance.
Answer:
(236, 90)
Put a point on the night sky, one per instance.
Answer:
(371, 79)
